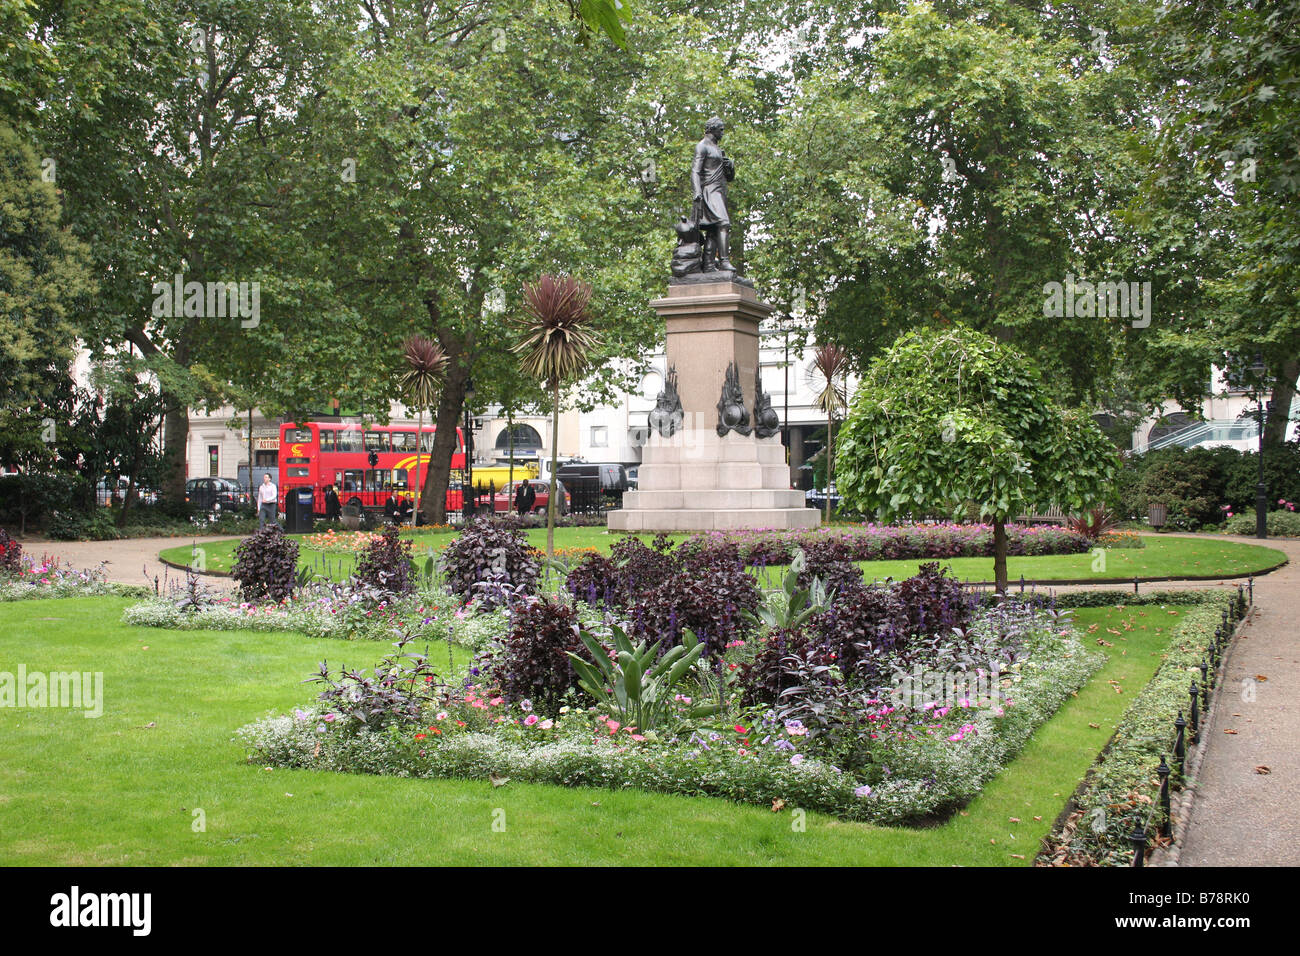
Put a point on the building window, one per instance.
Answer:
(599, 436)
(526, 436)
(214, 460)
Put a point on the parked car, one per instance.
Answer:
(612, 475)
(504, 502)
(108, 492)
(216, 494)
(816, 498)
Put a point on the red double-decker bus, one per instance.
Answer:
(319, 454)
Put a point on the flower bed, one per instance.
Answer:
(888, 542)
(347, 542)
(47, 578)
(861, 751)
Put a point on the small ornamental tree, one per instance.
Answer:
(951, 421)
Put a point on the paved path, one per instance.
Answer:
(127, 560)
(1242, 817)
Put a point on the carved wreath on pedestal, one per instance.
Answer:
(667, 415)
(732, 414)
(766, 421)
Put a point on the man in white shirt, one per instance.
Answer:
(268, 497)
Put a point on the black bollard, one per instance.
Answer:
(1180, 745)
(1195, 721)
(1139, 840)
(1166, 824)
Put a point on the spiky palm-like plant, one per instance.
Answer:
(556, 347)
(425, 362)
(831, 363)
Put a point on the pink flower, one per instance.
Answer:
(547, 724)
(530, 720)
(613, 726)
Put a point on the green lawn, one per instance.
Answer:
(121, 789)
(1163, 557)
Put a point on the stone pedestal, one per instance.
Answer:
(697, 480)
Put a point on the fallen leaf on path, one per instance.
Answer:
(1262, 769)
(1229, 731)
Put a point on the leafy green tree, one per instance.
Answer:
(45, 285)
(1223, 184)
(949, 420)
(961, 158)
(159, 126)
(452, 160)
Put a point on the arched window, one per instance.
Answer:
(526, 436)
(1167, 425)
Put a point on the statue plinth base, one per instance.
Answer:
(696, 480)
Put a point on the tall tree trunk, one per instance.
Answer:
(1275, 426)
(830, 463)
(555, 460)
(433, 501)
(1000, 555)
(176, 433)
(419, 485)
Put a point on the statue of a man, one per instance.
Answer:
(710, 173)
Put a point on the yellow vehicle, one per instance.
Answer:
(499, 475)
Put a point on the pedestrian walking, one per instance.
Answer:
(268, 497)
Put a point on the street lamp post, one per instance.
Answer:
(1261, 489)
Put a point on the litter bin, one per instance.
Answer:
(298, 515)
(1157, 514)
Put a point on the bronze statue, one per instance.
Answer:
(710, 173)
(703, 252)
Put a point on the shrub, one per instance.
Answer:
(386, 564)
(596, 580)
(396, 693)
(711, 594)
(935, 601)
(641, 567)
(831, 561)
(1282, 524)
(863, 629)
(11, 554)
(266, 565)
(1094, 523)
(490, 550)
(72, 525)
(532, 663)
(774, 669)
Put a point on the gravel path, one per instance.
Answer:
(125, 560)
